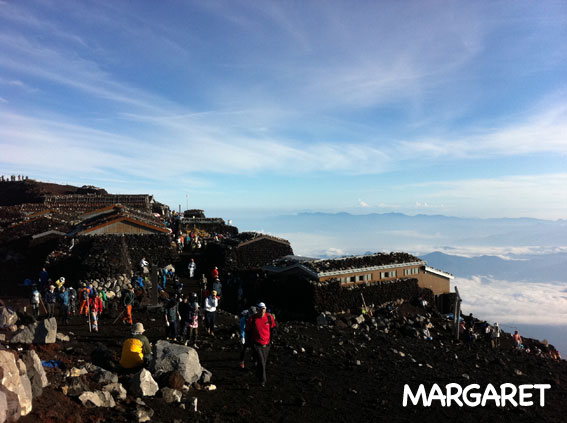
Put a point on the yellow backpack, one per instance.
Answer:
(132, 355)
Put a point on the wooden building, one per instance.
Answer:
(368, 269)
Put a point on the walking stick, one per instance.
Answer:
(89, 314)
(119, 316)
(43, 305)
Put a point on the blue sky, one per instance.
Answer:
(456, 108)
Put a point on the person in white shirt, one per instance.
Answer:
(192, 268)
(211, 304)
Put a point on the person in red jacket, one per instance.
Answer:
(259, 328)
(95, 306)
(215, 273)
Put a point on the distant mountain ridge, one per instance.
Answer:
(541, 268)
(442, 230)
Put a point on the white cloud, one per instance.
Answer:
(537, 131)
(513, 302)
(363, 204)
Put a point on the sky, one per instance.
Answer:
(439, 107)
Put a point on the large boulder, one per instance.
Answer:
(42, 332)
(14, 386)
(170, 357)
(35, 372)
(3, 407)
(143, 384)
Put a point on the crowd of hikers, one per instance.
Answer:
(183, 313)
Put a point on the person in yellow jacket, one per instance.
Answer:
(136, 350)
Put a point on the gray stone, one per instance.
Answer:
(17, 391)
(143, 413)
(42, 332)
(116, 389)
(170, 357)
(206, 377)
(35, 372)
(97, 399)
(74, 372)
(360, 319)
(321, 320)
(143, 384)
(101, 375)
(171, 395)
(62, 338)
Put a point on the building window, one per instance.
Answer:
(390, 274)
(413, 271)
(368, 277)
(360, 278)
(353, 279)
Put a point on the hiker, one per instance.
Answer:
(259, 327)
(496, 335)
(517, 341)
(136, 350)
(217, 286)
(103, 297)
(50, 299)
(127, 302)
(245, 340)
(64, 307)
(144, 266)
(35, 300)
(215, 273)
(59, 283)
(192, 322)
(163, 275)
(72, 300)
(192, 267)
(211, 304)
(84, 294)
(43, 278)
(95, 307)
(92, 291)
(171, 316)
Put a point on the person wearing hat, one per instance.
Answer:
(211, 304)
(136, 350)
(215, 273)
(35, 300)
(84, 294)
(59, 283)
(259, 328)
(245, 340)
(50, 300)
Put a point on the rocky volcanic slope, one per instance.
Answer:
(352, 369)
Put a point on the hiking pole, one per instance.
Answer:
(118, 317)
(89, 314)
(43, 305)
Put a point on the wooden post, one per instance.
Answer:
(154, 276)
(457, 313)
